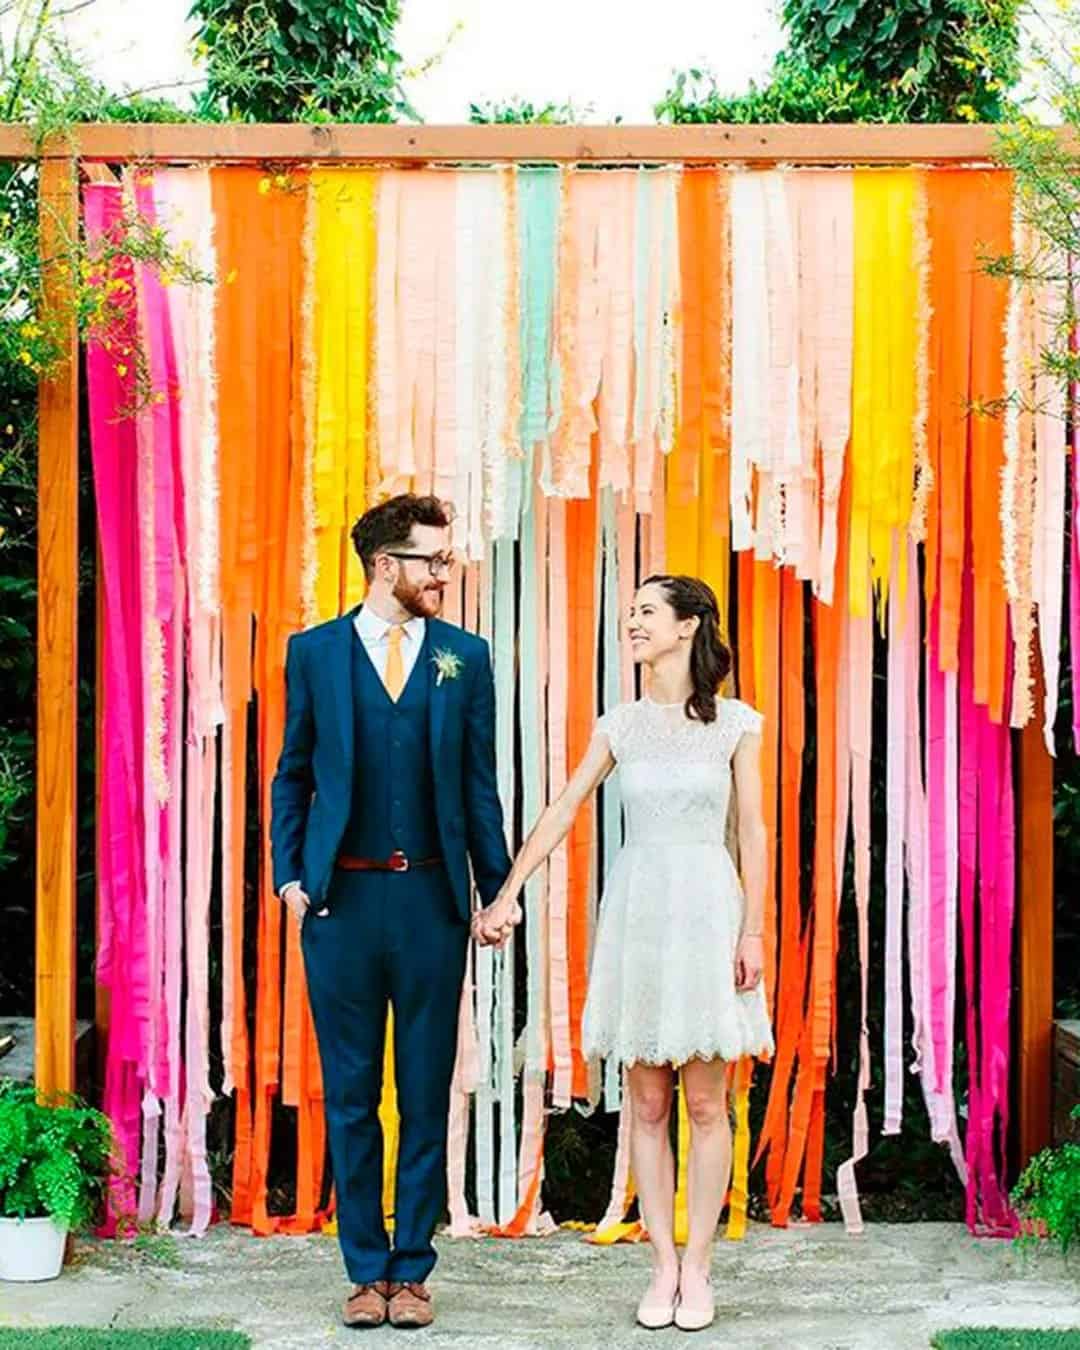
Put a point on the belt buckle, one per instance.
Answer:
(398, 861)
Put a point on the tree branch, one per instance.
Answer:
(20, 74)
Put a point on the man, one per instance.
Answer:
(384, 789)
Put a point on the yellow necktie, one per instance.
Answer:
(394, 678)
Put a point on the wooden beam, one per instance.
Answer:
(1035, 932)
(859, 143)
(57, 672)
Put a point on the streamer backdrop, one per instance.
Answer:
(769, 379)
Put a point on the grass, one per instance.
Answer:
(1001, 1338)
(107, 1338)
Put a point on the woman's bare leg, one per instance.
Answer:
(709, 1170)
(651, 1091)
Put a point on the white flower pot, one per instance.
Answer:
(31, 1249)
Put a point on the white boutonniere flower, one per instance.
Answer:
(448, 665)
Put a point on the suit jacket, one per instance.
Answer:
(311, 795)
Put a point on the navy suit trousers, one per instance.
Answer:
(389, 938)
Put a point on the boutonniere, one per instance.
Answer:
(448, 665)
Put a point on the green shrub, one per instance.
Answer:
(56, 1155)
(1048, 1192)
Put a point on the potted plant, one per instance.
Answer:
(1047, 1194)
(56, 1157)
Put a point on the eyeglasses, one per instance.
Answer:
(439, 564)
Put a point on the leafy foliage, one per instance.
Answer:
(1046, 180)
(56, 1155)
(947, 60)
(300, 60)
(798, 91)
(521, 111)
(1048, 1191)
(44, 86)
(871, 61)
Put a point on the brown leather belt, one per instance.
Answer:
(397, 862)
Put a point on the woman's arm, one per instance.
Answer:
(494, 924)
(753, 858)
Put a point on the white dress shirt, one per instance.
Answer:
(374, 633)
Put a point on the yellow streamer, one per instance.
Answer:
(342, 276)
(736, 1224)
(885, 404)
(682, 1222)
(340, 273)
(391, 1124)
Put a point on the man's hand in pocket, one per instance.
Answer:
(297, 899)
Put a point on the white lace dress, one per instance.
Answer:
(662, 983)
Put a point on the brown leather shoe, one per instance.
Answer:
(410, 1305)
(366, 1305)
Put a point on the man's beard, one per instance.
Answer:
(411, 598)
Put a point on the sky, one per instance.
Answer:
(606, 57)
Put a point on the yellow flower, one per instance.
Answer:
(121, 370)
(25, 357)
(159, 397)
(264, 186)
(29, 330)
(281, 180)
(9, 430)
(2, 531)
(230, 277)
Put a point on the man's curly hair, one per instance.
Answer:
(389, 525)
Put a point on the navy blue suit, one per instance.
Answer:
(361, 774)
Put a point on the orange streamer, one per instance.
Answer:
(581, 711)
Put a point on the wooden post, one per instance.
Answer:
(57, 673)
(1035, 931)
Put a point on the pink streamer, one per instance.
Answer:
(986, 856)
(184, 204)
(157, 431)
(1074, 559)
(859, 656)
(897, 762)
(415, 378)
(122, 951)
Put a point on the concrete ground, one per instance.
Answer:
(810, 1287)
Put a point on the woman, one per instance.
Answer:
(676, 973)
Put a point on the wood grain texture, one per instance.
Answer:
(57, 672)
(793, 143)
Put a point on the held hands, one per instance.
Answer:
(749, 962)
(492, 927)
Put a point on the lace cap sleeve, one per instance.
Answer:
(610, 724)
(743, 718)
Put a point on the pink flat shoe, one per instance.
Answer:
(654, 1313)
(696, 1315)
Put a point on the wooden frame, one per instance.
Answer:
(62, 158)
(795, 144)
